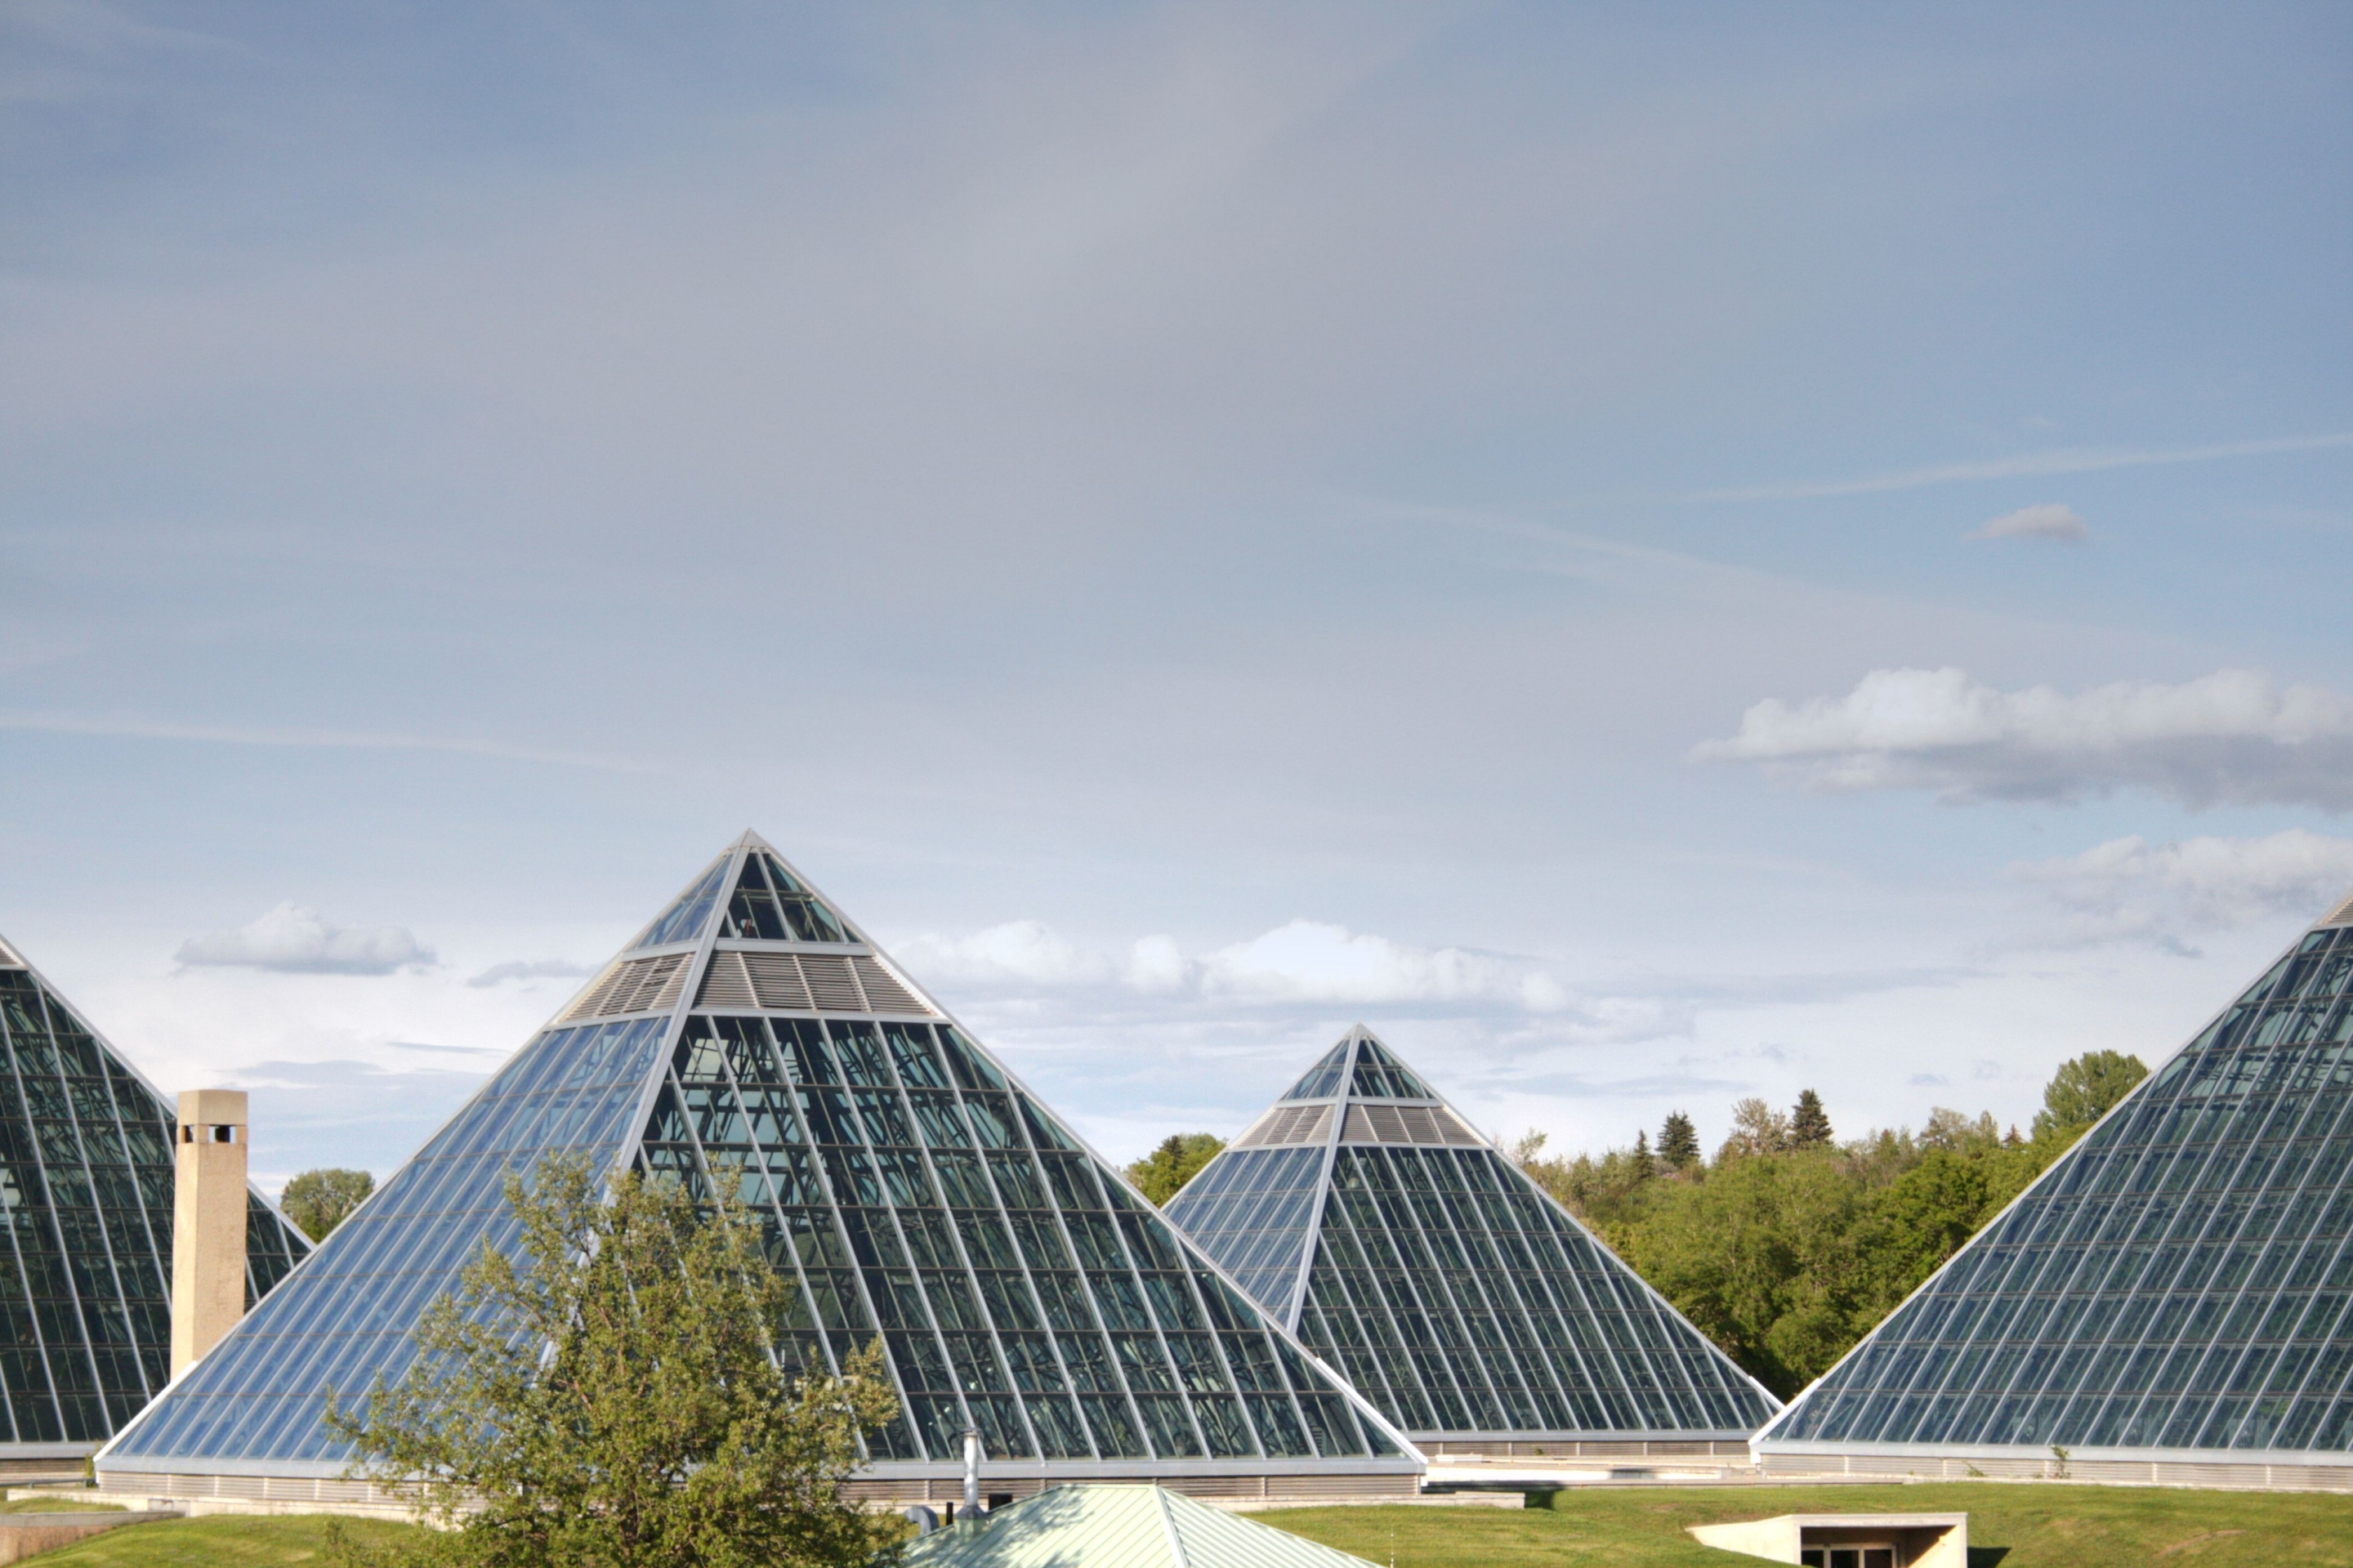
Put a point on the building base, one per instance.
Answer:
(2216, 1472)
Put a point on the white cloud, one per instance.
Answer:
(532, 969)
(2049, 521)
(1303, 962)
(1309, 961)
(2235, 735)
(1017, 952)
(2128, 889)
(297, 940)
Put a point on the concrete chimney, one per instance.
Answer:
(209, 1223)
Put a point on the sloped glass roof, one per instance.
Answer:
(912, 1190)
(1323, 1078)
(684, 920)
(1406, 1250)
(85, 1193)
(1380, 1076)
(2181, 1278)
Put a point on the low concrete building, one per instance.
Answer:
(1848, 1539)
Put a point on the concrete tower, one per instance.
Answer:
(208, 1229)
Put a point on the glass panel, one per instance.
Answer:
(2167, 1283)
(1456, 1297)
(344, 1318)
(910, 1191)
(684, 919)
(86, 1196)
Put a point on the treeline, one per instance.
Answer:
(1790, 1245)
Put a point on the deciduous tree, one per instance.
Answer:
(611, 1399)
(1162, 1174)
(319, 1201)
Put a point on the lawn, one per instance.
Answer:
(63, 1502)
(2014, 1525)
(223, 1540)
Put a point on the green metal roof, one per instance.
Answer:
(1119, 1527)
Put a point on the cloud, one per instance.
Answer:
(296, 940)
(2028, 465)
(1016, 953)
(313, 739)
(1927, 1081)
(345, 1113)
(1310, 960)
(2048, 520)
(2128, 889)
(534, 968)
(2236, 736)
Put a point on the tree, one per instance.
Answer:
(612, 1399)
(1759, 1256)
(1162, 1174)
(1644, 1166)
(1810, 1125)
(319, 1201)
(1757, 1128)
(2084, 1090)
(1678, 1142)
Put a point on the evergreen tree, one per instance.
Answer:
(1643, 1165)
(319, 1201)
(1162, 1174)
(1810, 1125)
(613, 1399)
(1679, 1142)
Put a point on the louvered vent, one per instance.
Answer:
(776, 981)
(639, 985)
(724, 983)
(831, 985)
(885, 992)
(806, 982)
(8, 959)
(1404, 1124)
(2340, 916)
(1288, 1124)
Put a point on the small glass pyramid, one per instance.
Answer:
(86, 1187)
(753, 1041)
(1400, 1245)
(2177, 1286)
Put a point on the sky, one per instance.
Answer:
(1651, 554)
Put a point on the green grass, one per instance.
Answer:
(223, 1540)
(2014, 1526)
(63, 1502)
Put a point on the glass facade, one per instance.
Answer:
(915, 1195)
(86, 1186)
(1456, 1296)
(2179, 1280)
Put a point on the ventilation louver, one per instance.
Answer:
(637, 985)
(806, 982)
(1288, 1124)
(1405, 1124)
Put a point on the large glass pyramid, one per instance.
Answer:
(1367, 1216)
(752, 1039)
(85, 1188)
(2178, 1286)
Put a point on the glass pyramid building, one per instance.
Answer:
(1400, 1245)
(753, 1039)
(2171, 1300)
(86, 1188)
